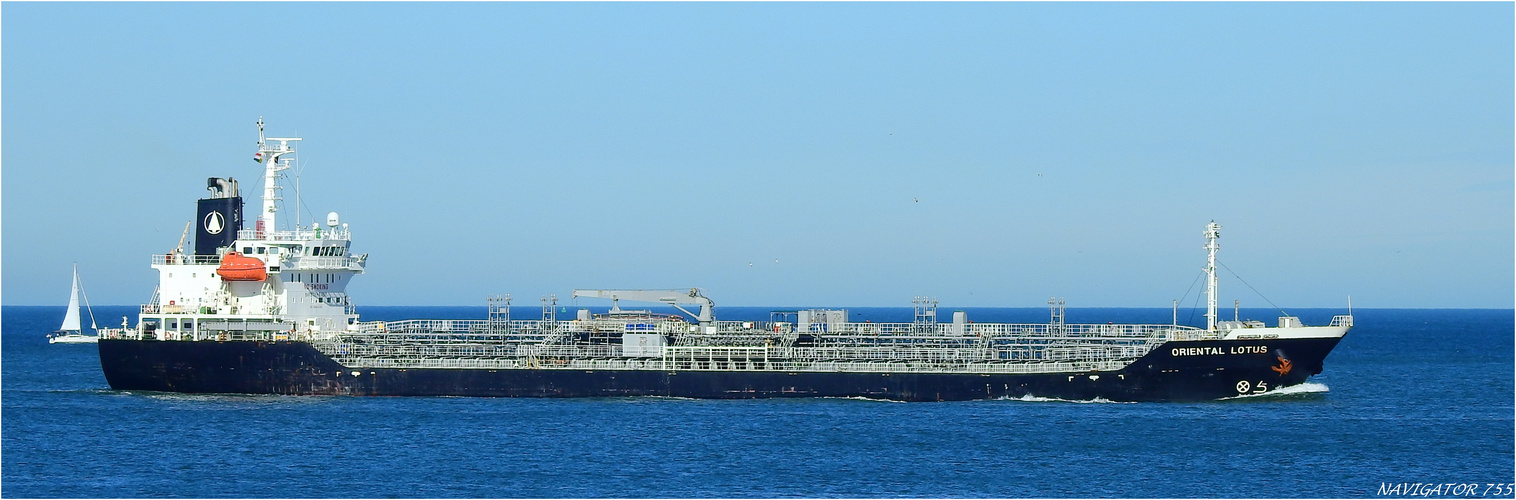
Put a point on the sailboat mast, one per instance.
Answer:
(92, 324)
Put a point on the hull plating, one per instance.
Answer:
(1175, 371)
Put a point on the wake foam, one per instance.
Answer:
(861, 398)
(638, 399)
(1039, 399)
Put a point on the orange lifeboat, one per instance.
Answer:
(238, 267)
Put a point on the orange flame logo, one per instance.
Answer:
(1284, 366)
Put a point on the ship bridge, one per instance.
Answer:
(261, 279)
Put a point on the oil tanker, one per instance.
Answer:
(262, 310)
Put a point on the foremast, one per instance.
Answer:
(1212, 233)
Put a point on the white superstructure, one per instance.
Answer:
(301, 289)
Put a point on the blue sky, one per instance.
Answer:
(836, 154)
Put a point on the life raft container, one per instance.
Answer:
(238, 267)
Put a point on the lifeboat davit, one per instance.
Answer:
(238, 267)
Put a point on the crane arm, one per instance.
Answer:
(671, 297)
(184, 235)
(177, 253)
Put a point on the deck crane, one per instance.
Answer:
(175, 255)
(670, 297)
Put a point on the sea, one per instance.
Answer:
(1411, 398)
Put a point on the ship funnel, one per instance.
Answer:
(222, 188)
(218, 217)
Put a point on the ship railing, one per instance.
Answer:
(952, 342)
(340, 348)
(1342, 320)
(266, 336)
(738, 364)
(847, 333)
(429, 326)
(499, 343)
(824, 328)
(185, 259)
(1072, 349)
(963, 330)
(455, 326)
(345, 346)
(365, 327)
(308, 262)
(1191, 333)
(209, 335)
(400, 340)
(569, 351)
(295, 235)
(173, 308)
(714, 352)
(1068, 330)
(118, 333)
(883, 353)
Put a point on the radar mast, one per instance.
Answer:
(271, 156)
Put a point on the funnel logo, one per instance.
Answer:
(214, 222)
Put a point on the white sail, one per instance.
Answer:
(71, 320)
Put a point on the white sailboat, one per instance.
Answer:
(69, 333)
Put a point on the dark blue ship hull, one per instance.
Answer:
(1175, 371)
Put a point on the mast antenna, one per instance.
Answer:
(273, 163)
(298, 168)
(1212, 233)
